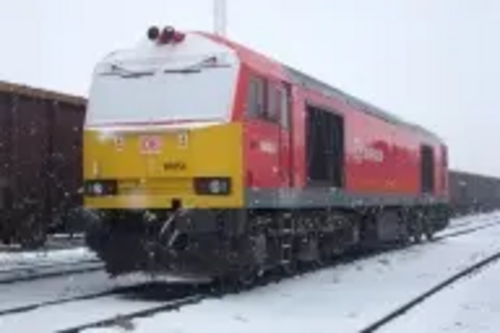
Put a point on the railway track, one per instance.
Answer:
(41, 271)
(463, 274)
(54, 243)
(166, 297)
(127, 318)
(140, 288)
(468, 220)
(449, 233)
(34, 306)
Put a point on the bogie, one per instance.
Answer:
(270, 240)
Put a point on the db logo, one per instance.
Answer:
(150, 144)
(119, 143)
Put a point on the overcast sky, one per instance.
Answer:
(435, 62)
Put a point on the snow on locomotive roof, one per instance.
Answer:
(306, 80)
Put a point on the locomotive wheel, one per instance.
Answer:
(248, 274)
(404, 232)
(247, 277)
(244, 279)
(404, 237)
(428, 231)
(416, 232)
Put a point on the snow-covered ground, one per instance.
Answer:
(469, 306)
(342, 299)
(473, 220)
(31, 292)
(9, 260)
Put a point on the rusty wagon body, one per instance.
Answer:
(40, 161)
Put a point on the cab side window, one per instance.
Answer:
(256, 106)
(273, 103)
(278, 105)
(267, 101)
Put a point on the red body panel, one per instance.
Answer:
(262, 155)
(398, 172)
(396, 168)
(380, 157)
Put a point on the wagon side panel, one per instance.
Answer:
(5, 162)
(66, 160)
(30, 148)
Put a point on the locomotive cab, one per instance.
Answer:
(162, 154)
(149, 110)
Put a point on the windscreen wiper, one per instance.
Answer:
(188, 70)
(209, 62)
(126, 73)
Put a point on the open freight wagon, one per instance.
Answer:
(471, 192)
(40, 162)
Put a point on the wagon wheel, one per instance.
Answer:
(33, 235)
(5, 239)
(35, 239)
(5, 231)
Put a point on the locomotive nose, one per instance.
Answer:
(165, 169)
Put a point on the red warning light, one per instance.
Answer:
(167, 36)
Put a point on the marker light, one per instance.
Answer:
(169, 34)
(166, 36)
(153, 33)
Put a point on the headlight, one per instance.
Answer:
(98, 188)
(212, 186)
(101, 187)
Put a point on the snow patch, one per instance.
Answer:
(22, 259)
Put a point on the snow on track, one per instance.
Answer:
(469, 306)
(20, 259)
(62, 317)
(59, 317)
(473, 220)
(46, 271)
(343, 299)
(32, 292)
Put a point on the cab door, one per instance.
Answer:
(268, 133)
(278, 112)
(285, 135)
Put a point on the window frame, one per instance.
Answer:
(255, 97)
(268, 100)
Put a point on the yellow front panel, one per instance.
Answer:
(151, 175)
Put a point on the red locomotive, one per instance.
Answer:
(203, 156)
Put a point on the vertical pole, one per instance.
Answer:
(219, 17)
